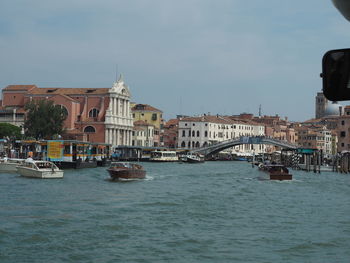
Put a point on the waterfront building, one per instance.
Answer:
(11, 107)
(343, 131)
(196, 132)
(150, 115)
(170, 133)
(276, 128)
(143, 134)
(93, 114)
(315, 137)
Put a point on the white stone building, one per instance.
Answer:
(195, 132)
(118, 120)
(143, 134)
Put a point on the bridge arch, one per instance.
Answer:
(215, 148)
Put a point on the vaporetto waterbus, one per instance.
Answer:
(77, 154)
(164, 156)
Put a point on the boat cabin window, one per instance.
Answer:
(66, 149)
(156, 154)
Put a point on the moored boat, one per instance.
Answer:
(39, 169)
(8, 165)
(164, 156)
(276, 171)
(126, 170)
(192, 158)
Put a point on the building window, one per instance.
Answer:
(183, 144)
(183, 133)
(205, 134)
(197, 133)
(342, 122)
(93, 113)
(154, 116)
(342, 134)
(193, 133)
(189, 133)
(64, 109)
(89, 129)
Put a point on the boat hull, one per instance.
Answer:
(104, 163)
(43, 174)
(126, 174)
(76, 165)
(8, 167)
(281, 177)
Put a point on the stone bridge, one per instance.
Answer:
(218, 147)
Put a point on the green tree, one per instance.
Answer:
(44, 119)
(9, 130)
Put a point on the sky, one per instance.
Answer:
(183, 57)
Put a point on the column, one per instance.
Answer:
(114, 137)
(110, 136)
(128, 109)
(124, 106)
(111, 102)
(118, 137)
(106, 135)
(115, 107)
(127, 138)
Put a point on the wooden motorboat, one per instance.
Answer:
(39, 169)
(276, 171)
(126, 170)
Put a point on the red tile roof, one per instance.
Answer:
(20, 87)
(68, 91)
(144, 107)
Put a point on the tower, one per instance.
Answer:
(320, 105)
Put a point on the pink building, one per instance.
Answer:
(97, 115)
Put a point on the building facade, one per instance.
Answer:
(196, 132)
(97, 115)
(150, 115)
(143, 134)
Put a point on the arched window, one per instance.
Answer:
(193, 144)
(205, 144)
(197, 133)
(205, 134)
(89, 129)
(64, 109)
(197, 145)
(183, 144)
(189, 144)
(193, 133)
(93, 113)
(183, 133)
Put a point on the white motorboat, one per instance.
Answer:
(192, 158)
(8, 165)
(39, 169)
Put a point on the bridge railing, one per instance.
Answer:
(243, 140)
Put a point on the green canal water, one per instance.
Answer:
(210, 212)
